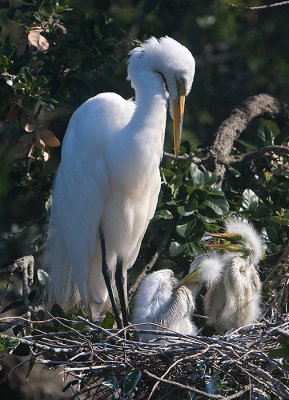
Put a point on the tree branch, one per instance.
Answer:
(255, 154)
(262, 105)
(263, 7)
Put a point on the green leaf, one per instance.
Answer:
(194, 250)
(184, 212)
(43, 277)
(209, 178)
(167, 172)
(111, 383)
(220, 207)
(196, 175)
(281, 352)
(247, 144)
(163, 214)
(130, 381)
(262, 212)
(176, 248)
(249, 200)
(281, 220)
(185, 229)
(108, 321)
(8, 342)
(266, 136)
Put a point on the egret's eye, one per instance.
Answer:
(181, 84)
(164, 79)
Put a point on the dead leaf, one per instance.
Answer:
(46, 155)
(30, 126)
(43, 43)
(39, 143)
(37, 40)
(48, 137)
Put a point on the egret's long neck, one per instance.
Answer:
(149, 119)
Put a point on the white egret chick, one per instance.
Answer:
(161, 299)
(235, 300)
(108, 181)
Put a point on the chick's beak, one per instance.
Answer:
(178, 116)
(226, 246)
(188, 279)
(229, 244)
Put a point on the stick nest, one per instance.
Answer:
(100, 363)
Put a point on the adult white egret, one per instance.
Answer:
(108, 181)
(161, 299)
(235, 300)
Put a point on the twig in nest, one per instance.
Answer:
(190, 389)
(240, 359)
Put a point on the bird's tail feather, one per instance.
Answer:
(62, 288)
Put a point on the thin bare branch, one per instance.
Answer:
(280, 150)
(262, 7)
(190, 389)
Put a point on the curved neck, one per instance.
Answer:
(149, 118)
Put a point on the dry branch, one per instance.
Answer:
(25, 265)
(262, 7)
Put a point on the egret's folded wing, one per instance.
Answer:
(79, 194)
(80, 189)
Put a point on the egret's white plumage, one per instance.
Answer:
(161, 299)
(108, 179)
(235, 300)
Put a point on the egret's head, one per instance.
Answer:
(175, 65)
(240, 237)
(205, 269)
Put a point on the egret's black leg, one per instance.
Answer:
(120, 282)
(107, 278)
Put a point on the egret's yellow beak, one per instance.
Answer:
(178, 116)
(188, 279)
